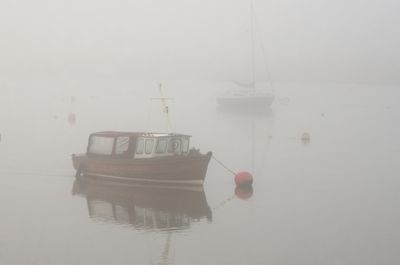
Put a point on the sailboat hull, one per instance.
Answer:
(246, 100)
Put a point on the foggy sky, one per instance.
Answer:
(350, 41)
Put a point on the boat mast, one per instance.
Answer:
(253, 54)
(164, 107)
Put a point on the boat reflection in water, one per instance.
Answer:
(146, 207)
(246, 110)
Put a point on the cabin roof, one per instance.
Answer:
(136, 134)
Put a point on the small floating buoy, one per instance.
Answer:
(243, 178)
(244, 192)
(305, 138)
(72, 119)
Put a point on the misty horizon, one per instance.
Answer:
(308, 41)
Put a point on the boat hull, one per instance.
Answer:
(180, 169)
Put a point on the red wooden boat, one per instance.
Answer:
(143, 157)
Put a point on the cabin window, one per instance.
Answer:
(161, 146)
(185, 145)
(139, 146)
(149, 146)
(101, 145)
(174, 145)
(121, 145)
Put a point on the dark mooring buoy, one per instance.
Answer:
(243, 178)
(305, 138)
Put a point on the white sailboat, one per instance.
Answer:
(247, 95)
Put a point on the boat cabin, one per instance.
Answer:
(137, 144)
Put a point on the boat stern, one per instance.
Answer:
(77, 160)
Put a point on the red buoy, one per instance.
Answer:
(243, 178)
(72, 118)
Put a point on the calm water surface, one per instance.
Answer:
(332, 200)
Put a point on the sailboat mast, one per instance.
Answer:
(253, 55)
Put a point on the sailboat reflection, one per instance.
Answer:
(245, 110)
(143, 206)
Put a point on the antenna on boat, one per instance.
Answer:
(164, 107)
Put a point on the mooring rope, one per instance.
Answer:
(222, 203)
(223, 165)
